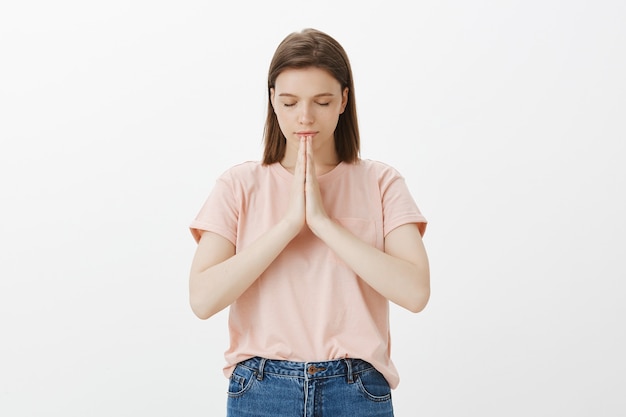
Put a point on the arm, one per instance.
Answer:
(400, 273)
(219, 274)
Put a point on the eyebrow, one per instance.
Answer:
(317, 95)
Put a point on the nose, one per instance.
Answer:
(306, 115)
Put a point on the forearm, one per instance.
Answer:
(213, 288)
(406, 283)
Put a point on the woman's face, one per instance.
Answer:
(308, 102)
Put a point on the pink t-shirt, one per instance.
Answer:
(308, 305)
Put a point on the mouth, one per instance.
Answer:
(304, 134)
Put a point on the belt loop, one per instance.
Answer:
(259, 375)
(349, 366)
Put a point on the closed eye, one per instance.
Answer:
(323, 104)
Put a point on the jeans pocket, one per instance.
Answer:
(240, 381)
(373, 385)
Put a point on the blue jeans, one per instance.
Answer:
(346, 387)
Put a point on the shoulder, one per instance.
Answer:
(244, 171)
(244, 168)
(375, 165)
(379, 170)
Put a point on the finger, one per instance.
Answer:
(309, 158)
(309, 145)
(300, 169)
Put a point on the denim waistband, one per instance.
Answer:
(346, 367)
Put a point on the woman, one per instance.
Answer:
(307, 248)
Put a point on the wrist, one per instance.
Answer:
(289, 227)
(321, 226)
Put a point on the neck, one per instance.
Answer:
(324, 159)
(322, 164)
(321, 167)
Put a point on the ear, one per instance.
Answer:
(272, 91)
(344, 100)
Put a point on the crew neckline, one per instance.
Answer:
(284, 172)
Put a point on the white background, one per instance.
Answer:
(506, 118)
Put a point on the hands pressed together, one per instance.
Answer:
(220, 274)
(305, 201)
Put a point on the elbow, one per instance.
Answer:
(200, 306)
(419, 302)
(200, 313)
(420, 295)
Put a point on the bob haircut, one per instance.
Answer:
(312, 48)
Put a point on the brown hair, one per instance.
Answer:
(312, 48)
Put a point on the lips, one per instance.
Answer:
(306, 133)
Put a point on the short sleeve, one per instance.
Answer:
(399, 207)
(220, 212)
